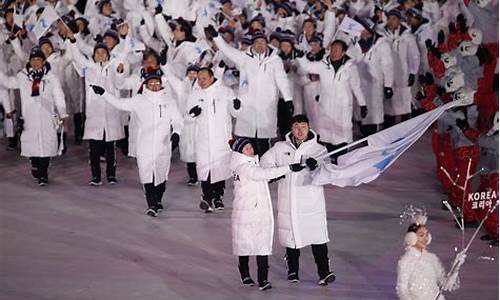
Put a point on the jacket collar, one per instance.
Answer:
(311, 138)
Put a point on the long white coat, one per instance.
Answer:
(213, 130)
(301, 206)
(406, 58)
(179, 56)
(420, 274)
(376, 69)
(252, 216)
(157, 118)
(41, 113)
(261, 80)
(102, 119)
(338, 90)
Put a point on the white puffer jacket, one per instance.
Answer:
(252, 218)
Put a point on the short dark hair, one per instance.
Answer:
(342, 43)
(207, 69)
(299, 119)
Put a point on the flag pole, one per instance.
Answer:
(322, 156)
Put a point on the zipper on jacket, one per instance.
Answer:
(213, 102)
(160, 109)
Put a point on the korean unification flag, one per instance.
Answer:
(43, 24)
(351, 27)
(365, 164)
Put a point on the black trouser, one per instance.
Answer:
(153, 193)
(331, 147)
(262, 267)
(78, 120)
(370, 129)
(123, 143)
(320, 253)
(191, 169)
(393, 120)
(284, 119)
(212, 190)
(40, 167)
(98, 149)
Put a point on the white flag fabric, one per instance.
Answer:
(365, 164)
(43, 24)
(351, 27)
(18, 19)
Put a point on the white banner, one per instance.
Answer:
(43, 24)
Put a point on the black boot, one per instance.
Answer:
(292, 260)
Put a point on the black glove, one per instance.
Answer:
(420, 96)
(195, 111)
(163, 56)
(211, 32)
(289, 107)
(311, 163)
(462, 124)
(316, 98)
(388, 92)
(174, 139)
(421, 79)
(142, 22)
(429, 79)
(98, 90)
(299, 53)
(20, 124)
(441, 91)
(411, 79)
(236, 103)
(364, 111)
(158, 9)
(276, 179)
(296, 167)
(452, 28)
(462, 23)
(428, 43)
(483, 55)
(441, 37)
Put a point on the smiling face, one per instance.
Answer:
(248, 150)
(422, 238)
(260, 46)
(336, 51)
(47, 49)
(205, 79)
(153, 85)
(37, 63)
(300, 131)
(101, 55)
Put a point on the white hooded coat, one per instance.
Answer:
(213, 130)
(252, 216)
(406, 58)
(376, 69)
(338, 90)
(102, 119)
(262, 77)
(157, 119)
(41, 113)
(301, 205)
